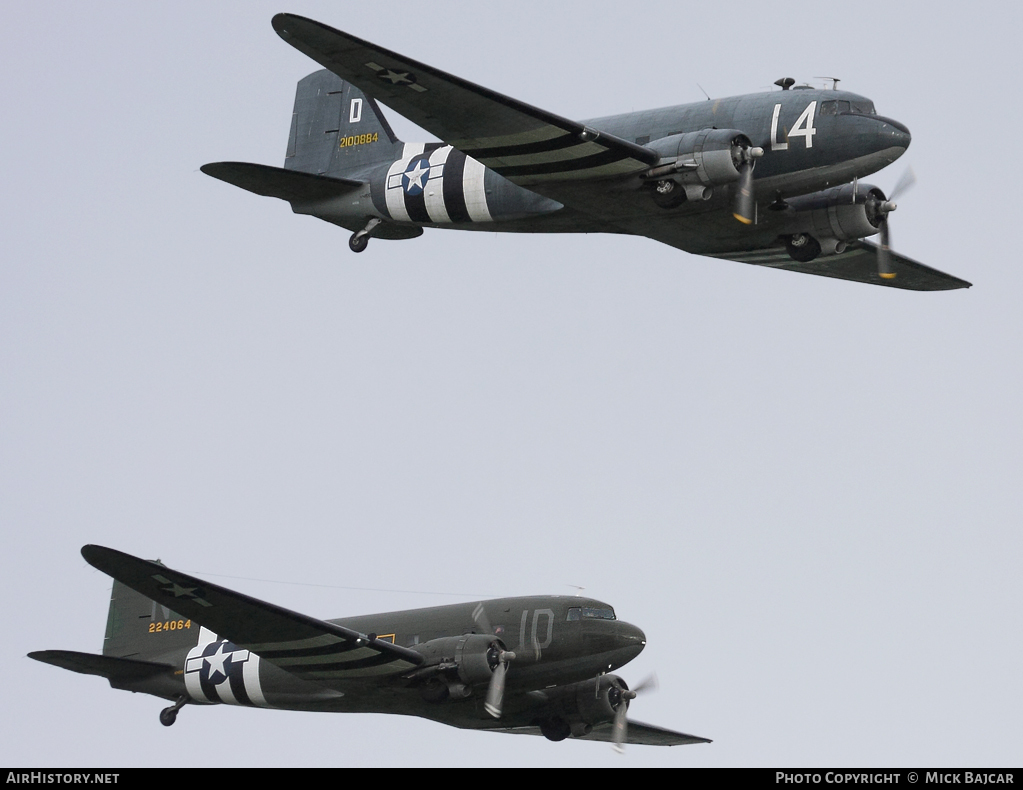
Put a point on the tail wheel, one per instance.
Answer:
(359, 241)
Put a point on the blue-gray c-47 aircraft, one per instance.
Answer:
(771, 178)
(536, 665)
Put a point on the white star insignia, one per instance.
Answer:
(216, 662)
(417, 176)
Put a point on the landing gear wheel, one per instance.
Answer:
(555, 729)
(168, 716)
(803, 247)
(359, 241)
(669, 194)
(434, 690)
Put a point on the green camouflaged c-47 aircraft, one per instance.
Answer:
(534, 665)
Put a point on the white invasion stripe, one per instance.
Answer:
(383, 669)
(297, 644)
(192, 684)
(542, 157)
(194, 662)
(337, 658)
(395, 195)
(537, 135)
(250, 676)
(474, 191)
(412, 149)
(614, 168)
(226, 695)
(435, 186)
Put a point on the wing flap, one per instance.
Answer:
(523, 143)
(277, 635)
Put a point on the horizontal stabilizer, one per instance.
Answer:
(121, 670)
(290, 185)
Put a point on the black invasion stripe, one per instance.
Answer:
(554, 144)
(238, 686)
(374, 661)
(379, 198)
(429, 148)
(334, 648)
(454, 191)
(568, 165)
(415, 205)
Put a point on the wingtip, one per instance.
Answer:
(98, 556)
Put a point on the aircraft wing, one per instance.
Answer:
(524, 144)
(857, 263)
(309, 648)
(638, 733)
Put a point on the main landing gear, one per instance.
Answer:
(802, 247)
(360, 239)
(555, 729)
(169, 715)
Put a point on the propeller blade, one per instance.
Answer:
(744, 203)
(495, 691)
(620, 728)
(884, 261)
(905, 182)
(479, 616)
(649, 683)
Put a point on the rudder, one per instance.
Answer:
(337, 130)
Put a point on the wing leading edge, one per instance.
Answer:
(523, 143)
(304, 646)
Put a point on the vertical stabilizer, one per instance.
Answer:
(140, 628)
(336, 130)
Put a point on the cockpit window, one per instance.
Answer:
(859, 106)
(588, 613)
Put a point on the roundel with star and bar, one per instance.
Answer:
(434, 183)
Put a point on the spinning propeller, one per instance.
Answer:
(745, 204)
(498, 658)
(881, 209)
(620, 727)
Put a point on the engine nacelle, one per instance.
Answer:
(587, 703)
(837, 215)
(710, 156)
(454, 664)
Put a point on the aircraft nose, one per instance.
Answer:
(631, 638)
(893, 134)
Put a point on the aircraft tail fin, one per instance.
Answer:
(141, 629)
(336, 130)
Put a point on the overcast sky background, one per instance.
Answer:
(805, 491)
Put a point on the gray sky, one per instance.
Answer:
(805, 491)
